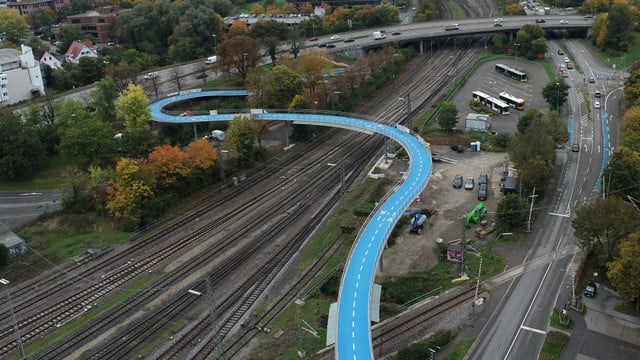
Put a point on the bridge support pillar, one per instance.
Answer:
(421, 50)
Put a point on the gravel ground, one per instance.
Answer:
(413, 252)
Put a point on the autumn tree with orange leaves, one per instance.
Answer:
(131, 190)
(171, 164)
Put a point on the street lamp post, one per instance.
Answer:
(218, 136)
(215, 43)
(517, 46)
(5, 282)
(558, 98)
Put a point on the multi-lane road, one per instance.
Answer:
(517, 327)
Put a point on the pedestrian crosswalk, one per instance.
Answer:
(584, 120)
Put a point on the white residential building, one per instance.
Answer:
(79, 49)
(20, 76)
(50, 60)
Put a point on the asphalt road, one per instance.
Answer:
(517, 327)
(17, 208)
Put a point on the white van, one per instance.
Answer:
(211, 60)
(151, 75)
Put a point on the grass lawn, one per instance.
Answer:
(56, 239)
(460, 351)
(47, 178)
(555, 321)
(553, 345)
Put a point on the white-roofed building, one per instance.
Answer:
(20, 76)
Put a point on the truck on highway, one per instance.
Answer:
(377, 35)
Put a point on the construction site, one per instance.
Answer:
(443, 213)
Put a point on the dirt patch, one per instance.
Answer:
(415, 252)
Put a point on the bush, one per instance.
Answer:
(128, 224)
(502, 140)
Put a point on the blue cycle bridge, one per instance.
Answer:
(353, 340)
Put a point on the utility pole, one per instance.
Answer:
(533, 197)
(464, 244)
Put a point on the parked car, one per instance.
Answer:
(597, 94)
(468, 185)
(575, 147)
(335, 37)
(313, 39)
(591, 290)
(483, 179)
(457, 148)
(457, 182)
(596, 104)
(482, 192)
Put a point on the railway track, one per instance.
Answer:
(186, 222)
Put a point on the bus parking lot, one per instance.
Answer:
(487, 80)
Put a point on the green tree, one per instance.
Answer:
(599, 235)
(624, 271)
(556, 92)
(619, 28)
(301, 132)
(4, 257)
(631, 122)
(557, 128)
(530, 116)
(88, 70)
(80, 6)
(631, 141)
(198, 23)
(511, 213)
(41, 19)
(279, 88)
(239, 54)
(132, 107)
(386, 14)
(137, 143)
(148, 27)
(534, 155)
(448, 117)
(88, 141)
(21, 150)
(270, 28)
(241, 136)
(70, 33)
(104, 97)
(74, 190)
(621, 174)
(13, 25)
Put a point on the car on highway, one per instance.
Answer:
(457, 148)
(591, 80)
(349, 40)
(330, 46)
(575, 147)
(560, 52)
(468, 185)
(564, 22)
(482, 192)
(457, 182)
(335, 37)
(498, 20)
(597, 94)
(540, 21)
(566, 59)
(497, 24)
(151, 75)
(322, 45)
(569, 66)
(313, 39)
(395, 33)
(596, 104)
(565, 74)
(588, 17)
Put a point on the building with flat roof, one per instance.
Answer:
(97, 23)
(20, 76)
(14, 243)
(25, 7)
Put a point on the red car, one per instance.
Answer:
(313, 39)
